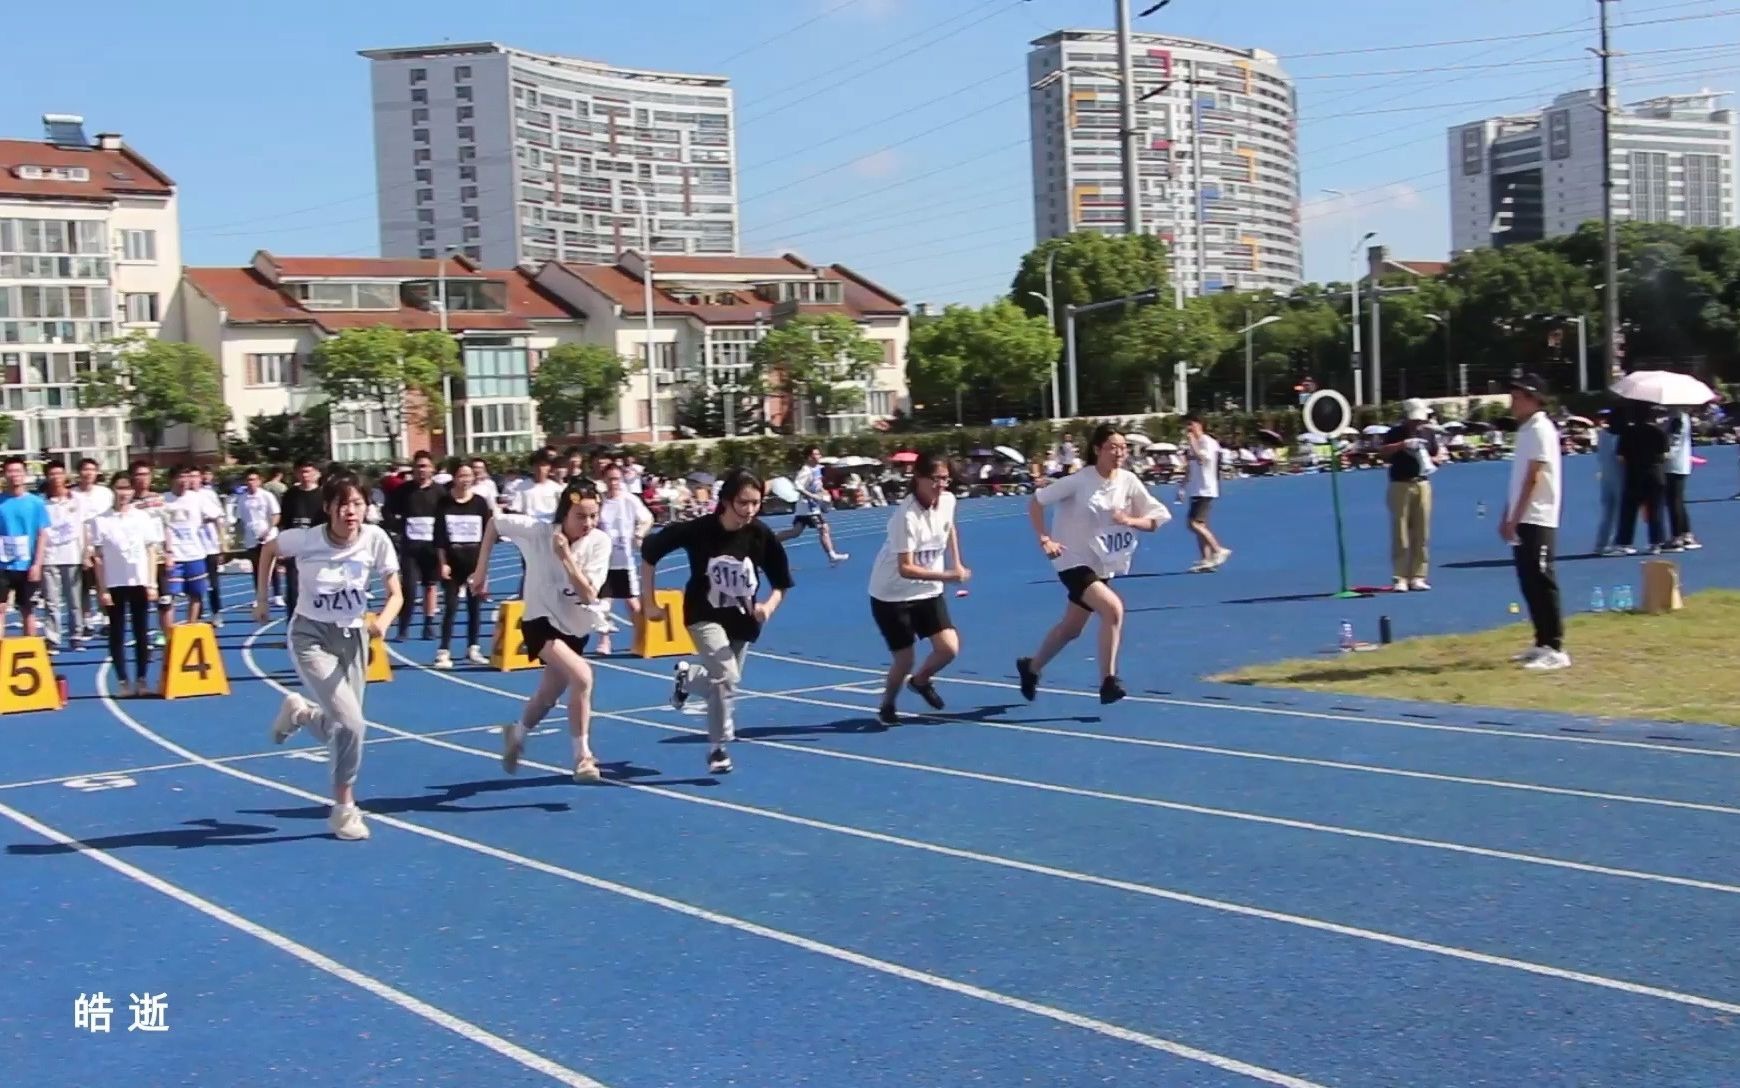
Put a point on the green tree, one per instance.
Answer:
(1149, 343)
(575, 382)
(998, 352)
(159, 384)
(286, 437)
(820, 361)
(391, 371)
(1496, 290)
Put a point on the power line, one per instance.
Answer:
(786, 33)
(1368, 49)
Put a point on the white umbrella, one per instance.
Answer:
(1137, 439)
(856, 462)
(1455, 425)
(783, 488)
(1377, 428)
(1011, 453)
(1664, 387)
(1313, 438)
(1162, 447)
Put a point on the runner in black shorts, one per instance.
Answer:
(410, 516)
(460, 520)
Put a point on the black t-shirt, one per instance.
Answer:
(300, 508)
(1643, 445)
(1405, 463)
(410, 512)
(459, 527)
(726, 568)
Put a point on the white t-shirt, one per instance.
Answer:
(1085, 502)
(1538, 440)
(620, 518)
(923, 531)
(210, 533)
(121, 539)
(66, 534)
(1202, 472)
(335, 579)
(183, 519)
(255, 510)
(809, 484)
(97, 501)
(539, 500)
(1679, 455)
(549, 594)
(485, 486)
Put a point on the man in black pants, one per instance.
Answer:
(299, 509)
(1643, 448)
(1531, 521)
(410, 516)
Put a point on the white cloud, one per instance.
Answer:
(878, 164)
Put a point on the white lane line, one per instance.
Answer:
(1280, 713)
(1225, 906)
(465, 1029)
(856, 959)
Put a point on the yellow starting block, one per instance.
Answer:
(380, 665)
(27, 680)
(192, 664)
(508, 651)
(669, 638)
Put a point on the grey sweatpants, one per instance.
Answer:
(723, 660)
(333, 664)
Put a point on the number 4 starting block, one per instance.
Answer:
(26, 680)
(192, 664)
(669, 638)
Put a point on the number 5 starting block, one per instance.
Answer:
(192, 664)
(26, 680)
(669, 638)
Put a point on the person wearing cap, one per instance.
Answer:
(1414, 454)
(1531, 521)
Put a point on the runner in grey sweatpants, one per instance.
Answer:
(722, 658)
(330, 631)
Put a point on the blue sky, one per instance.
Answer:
(886, 134)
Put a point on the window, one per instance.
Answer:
(466, 132)
(469, 212)
(462, 71)
(420, 155)
(420, 97)
(420, 116)
(467, 153)
(425, 177)
(495, 369)
(419, 75)
(468, 192)
(468, 173)
(425, 196)
(141, 308)
(464, 113)
(347, 296)
(272, 369)
(427, 253)
(462, 93)
(498, 428)
(139, 245)
(426, 215)
(473, 233)
(474, 252)
(426, 236)
(419, 135)
(360, 435)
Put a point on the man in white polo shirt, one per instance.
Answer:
(1531, 521)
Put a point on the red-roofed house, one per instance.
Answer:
(90, 248)
(707, 313)
(263, 322)
(1380, 266)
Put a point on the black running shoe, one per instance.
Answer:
(887, 715)
(1029, 678)
(718, 762)
(680, 689)
(927, 692)
(1111, 689)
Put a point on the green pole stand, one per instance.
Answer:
(1340, 538)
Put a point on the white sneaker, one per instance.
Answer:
(586, 771)
(475, 656)
(1690, 544)
(1419, 585)
(680, 688)
(837, 558)
(290, 714)
(346, 822)
(1400, 585)
(443, 659)
(1618, 550)
(1527, 655)
(1220, 558)
(1549, 661)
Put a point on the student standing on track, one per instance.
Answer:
(1531, 521)
(211, 535)
(1201, 488)
(812, 496)
(94, 500)
(626, 520)
(125, 545)
(23, 545)
(300, 509)
(185, 514)
(566, 564)
(731, 552)
(329, 633)
(1099, 511)
(257, 512)
(460, 519)
(538, 498)
(62, 563)
(921, 555)
(410, 514)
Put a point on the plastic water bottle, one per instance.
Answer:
(1597, 601)
(1622, 599)
(1346, 636)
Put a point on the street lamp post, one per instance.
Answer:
(646, 277)
(1049, 298)
(1250, 328)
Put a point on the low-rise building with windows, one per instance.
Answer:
(89, 250)
(263, 323)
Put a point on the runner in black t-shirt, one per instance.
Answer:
(460, 519)
(299, 509)
(730, 554)
(410, 518)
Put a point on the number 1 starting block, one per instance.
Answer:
(669, 638)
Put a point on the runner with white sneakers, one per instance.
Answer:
(1099, 511)
(567, 560)
(329, 632)
(461, 517)
(1201, 488)
(920, 556)
(626, 520)
(731, 552)
(812, 501)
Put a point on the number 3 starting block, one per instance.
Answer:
(669, 638)
(192, 664)
(26, 680)
(508, 650)
(380, 667)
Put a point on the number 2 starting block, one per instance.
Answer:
(192, 664)
(27, 681)
(507, 651)
(669, 638)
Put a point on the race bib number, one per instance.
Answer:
(731, 583)
(62, 533)
(14, 549)
(929, 559)
(1116, 547)
(420, 529)
(465, 528)
(340, 593)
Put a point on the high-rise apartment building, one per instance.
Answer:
(1218, 164)
(1538, 175)
(90, 250)
(511, 157)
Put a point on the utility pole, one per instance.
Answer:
(1610, 235)
(1132, 173)
(1201, 183)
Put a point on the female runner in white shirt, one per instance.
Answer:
(626, 520)
(566, 564)
(921, 555)
(329, 634)
(1099, 510)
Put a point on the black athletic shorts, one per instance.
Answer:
(1077, 580)
(808, 521)
(540, 632)
(421, 556)
(16, 586)
(619, 585)
(1199, 508)
(903, 623)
